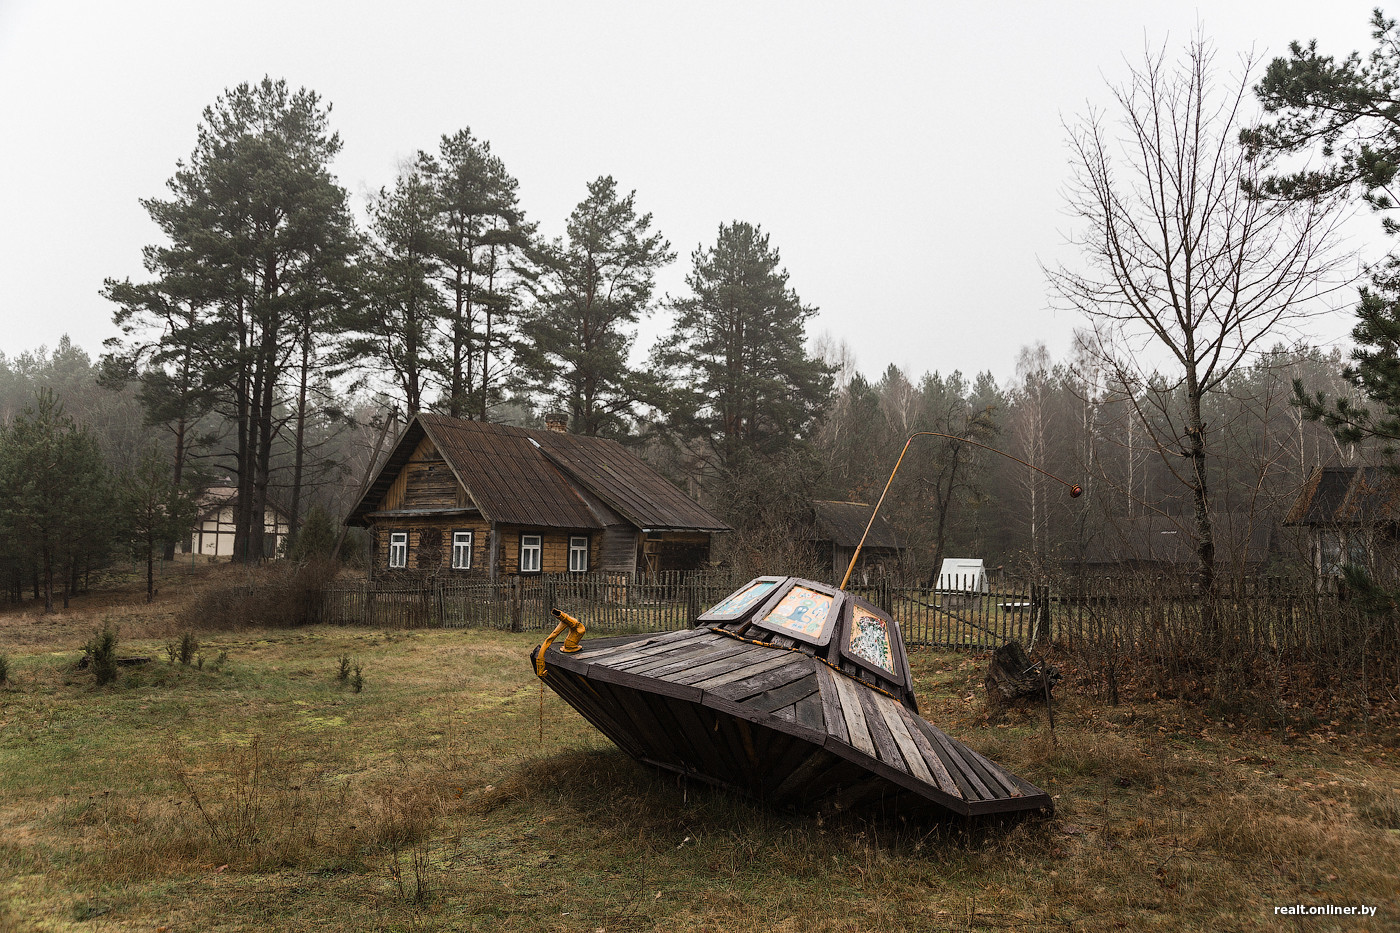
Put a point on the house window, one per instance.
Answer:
(578, 554)
(398, 550)
(461, 550)
(530, 552)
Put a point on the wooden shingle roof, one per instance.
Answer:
(842, 523)
(1347, 496)
(620, 478)
(543, 478)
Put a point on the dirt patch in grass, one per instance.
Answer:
(450, 794)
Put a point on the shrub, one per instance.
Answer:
(316, 538)
(100, 653)
(4, 668)
(183, 650)
(350, 673)
(281, 597)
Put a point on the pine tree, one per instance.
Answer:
(154, 511)
(399, 305)
(589, 291)
(55, 495)
(1349, 111)
(258, 237)
(741, 381)
(484, 235)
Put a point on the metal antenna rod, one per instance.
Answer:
(1074, 488)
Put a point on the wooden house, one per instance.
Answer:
(1166, 544)
(213, 535)
(837, 527)
(493, 500)
(1352, 516)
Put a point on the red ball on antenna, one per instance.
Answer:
(1074, 491)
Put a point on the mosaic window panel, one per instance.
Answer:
(870, 639)
(742, 600)
(803, 611)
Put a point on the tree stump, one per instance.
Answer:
(1012, 674)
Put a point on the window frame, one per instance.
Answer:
(471, 543)
(537, 548)
(573, 548)
(403, 561)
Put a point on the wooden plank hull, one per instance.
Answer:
(779, 725)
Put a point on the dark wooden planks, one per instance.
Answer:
(810, 714)
(713, 652)
(913, 760)
(686, 652)
(740, 691)
(879, 732)
(968, 782)
(831, 703)
(644, 684)
(739, 656)
(779, 725)
(786, 695)
(755, 665)
(935, 765)
(854, 716)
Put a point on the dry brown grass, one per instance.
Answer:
(262, 795)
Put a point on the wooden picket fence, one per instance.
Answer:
(960, 616)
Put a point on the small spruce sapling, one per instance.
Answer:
(101, 653)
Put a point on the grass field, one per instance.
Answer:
(260, 793)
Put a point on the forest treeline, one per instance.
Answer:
(949, 499)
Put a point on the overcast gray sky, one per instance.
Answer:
(907, 158)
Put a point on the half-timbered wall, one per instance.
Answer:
(213, 537)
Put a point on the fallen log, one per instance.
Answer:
(121, 662)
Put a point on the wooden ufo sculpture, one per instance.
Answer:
(789, 691)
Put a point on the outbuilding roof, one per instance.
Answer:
(1170, 540)
(842, 523)
(1347, 496)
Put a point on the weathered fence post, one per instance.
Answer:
(517, 608)
(1040, 613)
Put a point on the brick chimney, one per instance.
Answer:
(557, 421)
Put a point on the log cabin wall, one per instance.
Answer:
(513, 482)
(620, 544)
(430, 544)
(430, 547)
(425, 482)
(555, 543)
(673, 550)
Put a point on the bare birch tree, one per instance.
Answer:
(1183, 273)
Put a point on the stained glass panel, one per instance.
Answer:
(870, 639)
(738, 602)
(803, 611)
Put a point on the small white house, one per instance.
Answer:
(213, 535)
(963, 575)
